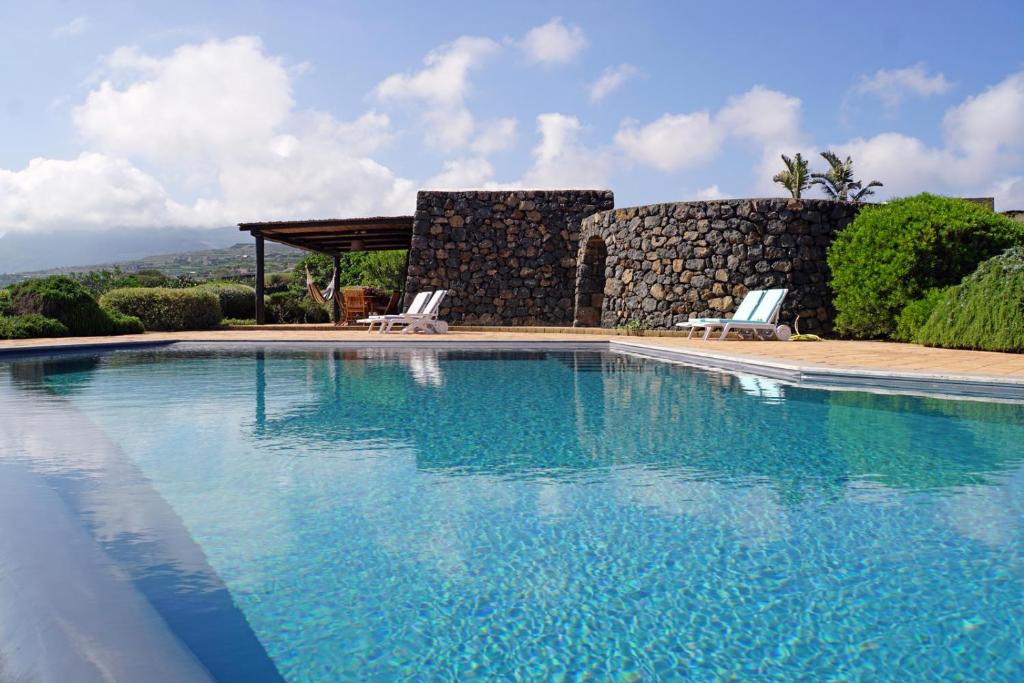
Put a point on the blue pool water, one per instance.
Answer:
(319, 515)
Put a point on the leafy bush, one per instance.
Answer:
(5, 301)
(236, 301)
(29, 326)
(893, 254)
(289, 307)
(915, 314)
(161, 308)
(68, 301)
(986, 311)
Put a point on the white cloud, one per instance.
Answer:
(92, 189)
(216, 118)
(892, 86)
(495, 136)
(984, 136)
(200, 104)
(672, 142)
(610, 80)
(991, 121)
(553, 43)
(445, 76)
(711, 192)
(560, 161)
(443, 84)
(75, 27)
(462, 174)
(763, 115)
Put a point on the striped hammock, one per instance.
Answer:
(321, 297)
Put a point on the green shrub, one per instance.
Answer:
(236, 301)
(5, 301)
(892, 254)
(915, 314)
(29, 326)
(289, 308)
(985, 312)
(161, 308)
(68, 301)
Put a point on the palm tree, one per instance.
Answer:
(865, 191)
(838, 182)
(796, 177)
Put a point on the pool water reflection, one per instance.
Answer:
(449, 514)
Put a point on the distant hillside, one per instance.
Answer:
(205, 264)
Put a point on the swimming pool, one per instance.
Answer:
(319, 514)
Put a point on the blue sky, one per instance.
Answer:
(140, 114)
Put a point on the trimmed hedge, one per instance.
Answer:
(29, 326)
(165, 309)
(68, 301)
(986, 311)
(236, 301)
(893, 254)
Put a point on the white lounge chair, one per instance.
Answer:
(415, 308)
(763, 322)
(424, 321)
(743, 311)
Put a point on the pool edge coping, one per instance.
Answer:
(943, 385)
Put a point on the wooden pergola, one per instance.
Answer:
(333, 236)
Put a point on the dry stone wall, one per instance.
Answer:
(665, 263)
(507, 257)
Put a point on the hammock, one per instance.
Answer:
(314, 291)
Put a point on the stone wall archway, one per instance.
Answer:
(590, 281)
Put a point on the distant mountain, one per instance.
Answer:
(20, 252)
(203, 263)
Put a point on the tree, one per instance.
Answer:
(796, 177)
(838, 182)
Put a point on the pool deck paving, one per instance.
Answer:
(809, 362)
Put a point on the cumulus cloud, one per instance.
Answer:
(984, 137)
(769, 118)
(495, 136)
(560, 160)
(991, 121)
(672, 142)
(610, 80)
(711, 192)
(892, 86)
(442, 84)
(553, 43)
(90, 189)
(75, 27)
(219, 120)
(462, 174)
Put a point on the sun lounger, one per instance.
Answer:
(743, 311)
(415, 308)
(763, 322)
(424, 320)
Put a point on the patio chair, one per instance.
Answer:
(415, 308)
(762, 323)
(743, 312)
(424, 321)
(355, 303)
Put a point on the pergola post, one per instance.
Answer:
(260, 315)
(335, 303)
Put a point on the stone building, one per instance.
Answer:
(569, 258)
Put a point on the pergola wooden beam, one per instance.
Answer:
(333, 236)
